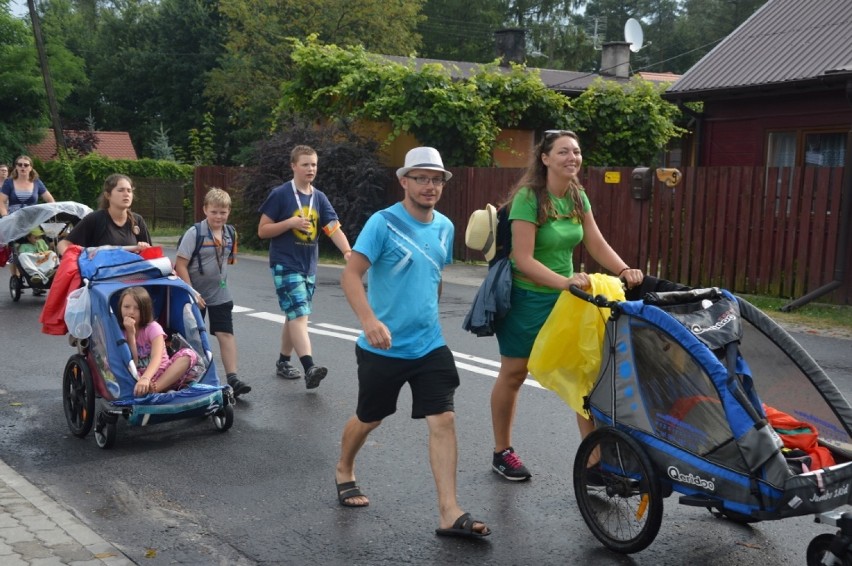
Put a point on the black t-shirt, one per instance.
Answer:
(98, 229)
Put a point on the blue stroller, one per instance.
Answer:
(98, 381)
(681, 404)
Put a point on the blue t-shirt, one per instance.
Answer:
(295, 250)
(403, 279)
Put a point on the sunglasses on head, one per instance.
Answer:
(556, 133)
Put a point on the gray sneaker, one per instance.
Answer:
(285, 370)
(314, 375)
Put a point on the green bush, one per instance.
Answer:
(82, 179)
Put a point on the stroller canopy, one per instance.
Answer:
(21, 222)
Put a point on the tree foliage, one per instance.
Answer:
(462, 117)
(623, 124)
(349, 173)
(22, 96)
(256, 57)
(145, 63)
(135, 65)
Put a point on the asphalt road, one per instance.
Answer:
(263, 493)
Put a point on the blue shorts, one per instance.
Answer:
(433, 380)
(295, 291)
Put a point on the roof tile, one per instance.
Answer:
(115, 145)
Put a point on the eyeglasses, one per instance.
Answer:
(24, 165)
(437, 181)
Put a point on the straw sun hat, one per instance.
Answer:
(481, 233)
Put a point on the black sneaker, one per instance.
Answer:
(285, 370)
(508, 465)
(238, 386)
(314, 375)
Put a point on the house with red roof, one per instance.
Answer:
(114, 145)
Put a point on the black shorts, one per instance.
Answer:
(221, 317)
(433, 380)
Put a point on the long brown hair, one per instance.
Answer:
(535, 178)
(110, 184)
(33, 174)
(143, 301)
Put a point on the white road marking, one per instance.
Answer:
(351, 334)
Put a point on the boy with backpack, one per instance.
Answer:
(204, 253)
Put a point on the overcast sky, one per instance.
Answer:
(19, 7)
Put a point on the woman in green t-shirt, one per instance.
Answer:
(550, 216)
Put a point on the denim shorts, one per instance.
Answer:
(295, 291)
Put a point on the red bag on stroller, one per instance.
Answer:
(799, 435)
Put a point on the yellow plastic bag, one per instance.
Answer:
(566, 355)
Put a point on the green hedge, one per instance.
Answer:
(82, 180)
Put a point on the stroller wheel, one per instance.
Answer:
(224, 418)
(15, 287)
(78, 396)
(618, 491)
(105, 431)
(820, 548)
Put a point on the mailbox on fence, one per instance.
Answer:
(641, 183)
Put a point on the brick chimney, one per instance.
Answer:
(511, 45)
(615, 59)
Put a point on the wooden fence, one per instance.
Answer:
(759, 230)
(160, 202)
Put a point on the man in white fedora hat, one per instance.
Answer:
(403, 250)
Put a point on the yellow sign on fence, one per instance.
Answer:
(612, 177)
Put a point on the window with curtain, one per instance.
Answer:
(781, 150)
(824, 150)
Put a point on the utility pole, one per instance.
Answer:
(48, 84)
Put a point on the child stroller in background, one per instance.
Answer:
(689, 385)
(98, 381)
(45, 223)
(36, 260)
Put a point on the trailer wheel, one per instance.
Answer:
(618, 491)
(820, 547)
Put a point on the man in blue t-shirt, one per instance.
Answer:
(291, 218)
(403, 250)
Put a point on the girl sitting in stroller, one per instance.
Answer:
(146, 339)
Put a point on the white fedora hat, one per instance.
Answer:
(481, 233)
(423, 158)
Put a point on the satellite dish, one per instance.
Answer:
(633, 34)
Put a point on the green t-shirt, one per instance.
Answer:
(39, 246)
(555, 240)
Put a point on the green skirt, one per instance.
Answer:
(516, 332)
